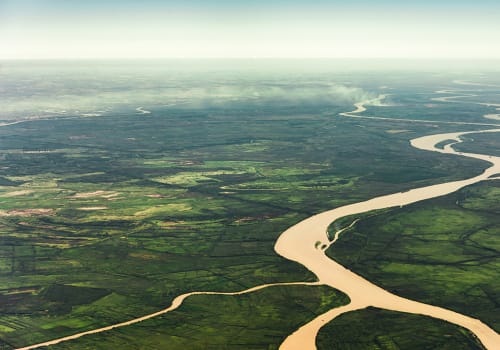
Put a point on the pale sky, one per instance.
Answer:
(40, 29)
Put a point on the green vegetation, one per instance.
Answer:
(375, 329)
(259, 320)
(486, 143)
(103, 219)
(444, 251)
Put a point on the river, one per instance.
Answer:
(307, 241)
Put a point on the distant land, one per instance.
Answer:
(249, 204)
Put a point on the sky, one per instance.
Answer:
(84, 29)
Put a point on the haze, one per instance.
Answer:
(47, 29)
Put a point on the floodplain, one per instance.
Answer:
(108, 213)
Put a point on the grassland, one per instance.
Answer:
(258, 320)
(444, 251)
(106, 219)
(374, 329)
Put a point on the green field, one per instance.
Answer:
(104, 219)
(259, 320)
(374, 329)
(443, 251)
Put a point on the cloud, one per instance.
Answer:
(280, 94)
(72, 92)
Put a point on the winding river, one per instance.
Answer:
(175, 304)
(299, 243)
(307, 241)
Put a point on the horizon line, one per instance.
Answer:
(250, 58)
